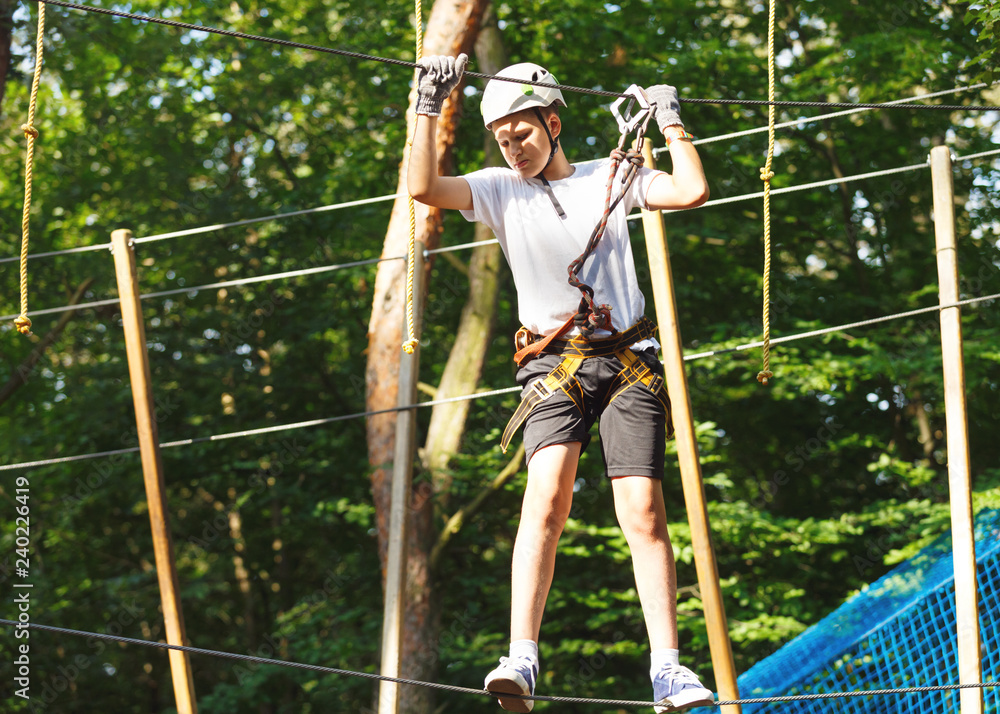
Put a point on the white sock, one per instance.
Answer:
(660, 659)
(527, 649)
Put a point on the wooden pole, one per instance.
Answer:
(402, 481)
(152, 467)
(959, 480)
(687, 453)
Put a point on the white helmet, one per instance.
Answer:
(501, 98)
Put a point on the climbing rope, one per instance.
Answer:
(479, 75)
(412, 342)
(766, 174)
(23, 323)
(591, 316)
(481, 692)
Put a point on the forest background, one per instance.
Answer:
(817, 484)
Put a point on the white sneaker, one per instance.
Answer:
(514, 676)
(677, 687)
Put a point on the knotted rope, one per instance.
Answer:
(22, 322)
(410, 346)
(766, 174)
(591, 316)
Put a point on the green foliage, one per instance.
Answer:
(985, 18)
(817, 484)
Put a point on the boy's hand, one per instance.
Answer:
(437, 78)
(668, 106)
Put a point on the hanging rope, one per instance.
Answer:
(591, 316)
(22, 322)
(410, 346)
(766, 174)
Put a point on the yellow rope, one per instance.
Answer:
(766, 175)
(22, 322)
(410, 346)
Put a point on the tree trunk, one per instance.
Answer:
(472, 339)
(452, 29)
(6, 36)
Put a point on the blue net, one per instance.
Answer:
(898, 632)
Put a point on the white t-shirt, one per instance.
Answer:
(539, 245)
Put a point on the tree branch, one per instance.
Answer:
(462, 515)
(20, 376)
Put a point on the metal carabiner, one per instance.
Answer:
(628, 122)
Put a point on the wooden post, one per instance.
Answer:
(687, 453)
(959, 481)
(152, 467)
(402, 480)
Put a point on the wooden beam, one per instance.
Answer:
(152, 467)
(963, 537)
(399, 510)
(687, 453)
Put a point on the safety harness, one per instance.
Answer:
(590, 316)
(574, 351)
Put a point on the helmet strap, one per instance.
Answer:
(554, 147)
(553, 141)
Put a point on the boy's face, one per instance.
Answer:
(523, 141)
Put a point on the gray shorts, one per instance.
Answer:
(632, 427)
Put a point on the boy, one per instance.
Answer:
(543, 210)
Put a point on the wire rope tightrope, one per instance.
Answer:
(23, 322)
(832, 115)
(468, 397)
(371, 261)
(469, 690)
(446, 249)
(478, 75)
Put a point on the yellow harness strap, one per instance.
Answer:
(638, 372)
(563, 378)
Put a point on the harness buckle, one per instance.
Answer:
(542, 389)
(628, 122)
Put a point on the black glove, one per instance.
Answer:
(436, 80)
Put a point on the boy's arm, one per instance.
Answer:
(686, 187)
(437, 78)
(422, 179)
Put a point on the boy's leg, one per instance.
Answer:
(643, 519)
(548, 497)
(547, 500)
(642, 516)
